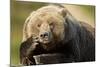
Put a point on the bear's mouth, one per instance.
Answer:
(44, 41)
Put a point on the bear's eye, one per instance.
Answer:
(38, 25)
(51, 25)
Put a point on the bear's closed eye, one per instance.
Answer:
(51, 25)
(38, 25)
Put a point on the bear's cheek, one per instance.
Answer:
(58, 34)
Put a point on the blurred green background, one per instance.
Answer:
(20, 11)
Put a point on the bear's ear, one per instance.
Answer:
(67, 15)
(63, 12)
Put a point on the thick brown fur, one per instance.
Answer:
(66, 35)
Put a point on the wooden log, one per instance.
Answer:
(51, 59)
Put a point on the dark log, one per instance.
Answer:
(51, 59)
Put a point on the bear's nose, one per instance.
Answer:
(43, 35)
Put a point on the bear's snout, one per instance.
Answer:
(44, 35)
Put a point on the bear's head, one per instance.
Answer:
(46, 24)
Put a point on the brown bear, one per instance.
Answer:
(52, 29)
